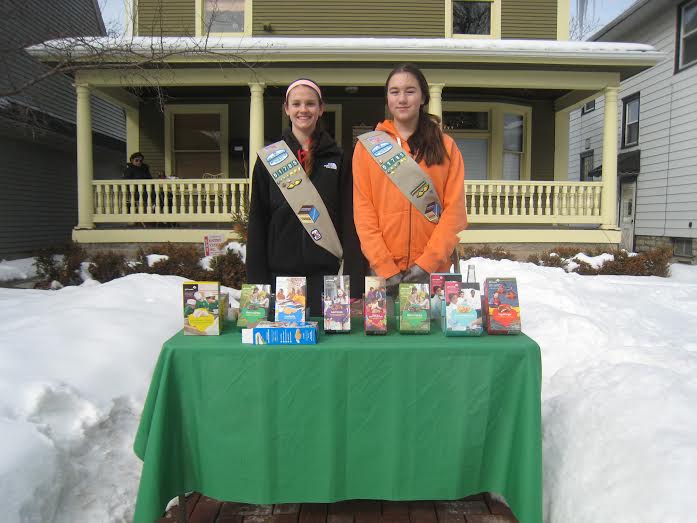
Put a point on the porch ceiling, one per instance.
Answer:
(339, 92)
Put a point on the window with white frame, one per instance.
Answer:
(630, 121)
(196, 140)
(687, 35)
(513, 128)
(588, 107)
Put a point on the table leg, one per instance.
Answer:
(182, 509)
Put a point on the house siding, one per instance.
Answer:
(666, 199)
(166, 18)
(38, 203)
(534, 19)
(358, 18)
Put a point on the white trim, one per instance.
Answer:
(173, 109)
(270, 48)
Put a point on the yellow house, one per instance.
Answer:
(202, 85)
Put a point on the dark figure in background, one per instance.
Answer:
(136, 168)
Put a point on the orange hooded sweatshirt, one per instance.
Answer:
(394, 234)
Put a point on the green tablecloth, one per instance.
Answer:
(397, 417)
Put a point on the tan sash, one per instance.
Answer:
(301, 195)
(405, 173)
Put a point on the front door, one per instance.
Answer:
(627, 197)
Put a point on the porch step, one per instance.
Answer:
(480, 508)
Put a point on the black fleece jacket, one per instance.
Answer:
(278, 244)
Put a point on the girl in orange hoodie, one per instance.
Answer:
(400, 243)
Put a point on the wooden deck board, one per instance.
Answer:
(480, 508)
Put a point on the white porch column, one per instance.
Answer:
(132, 131)
(561, 145)
(609, 201)
(256, 122)
(85, 166)
(435, 106)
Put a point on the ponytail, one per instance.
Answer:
(427, 141)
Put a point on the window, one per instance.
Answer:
(630, 121)
(682, 247)
(686, 50)
(494, 138)
(473, 18)
(223, 17)
(586, 166)
(588, 107)
(512, 146)
(196, 140)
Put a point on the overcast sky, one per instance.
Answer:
(601, 11)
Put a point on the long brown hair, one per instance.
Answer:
(427, 141)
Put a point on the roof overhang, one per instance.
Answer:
(620, 57)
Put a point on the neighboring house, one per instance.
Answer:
(502, 76)
(657, 138)
(38, 201)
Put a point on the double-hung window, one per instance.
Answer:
(686, 50)
(196, 140)
(630, 121)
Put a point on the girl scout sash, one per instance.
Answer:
(404, 172)
(301, 195)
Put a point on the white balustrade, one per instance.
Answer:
(519, 203)
(215, 200)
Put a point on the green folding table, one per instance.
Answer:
(396, 417)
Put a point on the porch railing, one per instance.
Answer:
(514, 202)
(488, 202)
(210, 200)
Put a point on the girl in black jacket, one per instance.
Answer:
(278, 244)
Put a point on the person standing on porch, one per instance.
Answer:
(136, 168)
(296, 184)
(408, 187)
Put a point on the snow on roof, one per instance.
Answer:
(416, 48)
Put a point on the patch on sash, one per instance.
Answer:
(308, 214)
(316, 235)
(420, 189)
(330, 165)
(287, 170)
(277, 157)
(433, 212)
(381, 149)
(390, 165)
(293, 183)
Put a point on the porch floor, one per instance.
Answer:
(480, 508)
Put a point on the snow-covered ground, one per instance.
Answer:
(619, 392)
